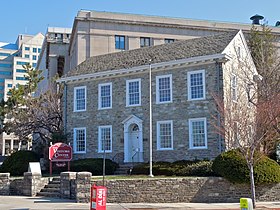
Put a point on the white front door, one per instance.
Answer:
(133, 140)
(135, 147)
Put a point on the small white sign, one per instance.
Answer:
(34, 168)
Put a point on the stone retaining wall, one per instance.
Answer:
(28, 185)
(4, 183)
(76, 186)
(210, 189)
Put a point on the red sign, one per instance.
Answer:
(60, 152)
(98, 198)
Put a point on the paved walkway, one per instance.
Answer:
(39, 203)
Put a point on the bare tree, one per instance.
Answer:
(248, 120)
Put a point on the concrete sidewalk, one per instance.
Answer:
(39, 203)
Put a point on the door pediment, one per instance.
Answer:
(132, 119)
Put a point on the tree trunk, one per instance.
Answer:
(252, 181)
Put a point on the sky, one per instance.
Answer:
(34, 16)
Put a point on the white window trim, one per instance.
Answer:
(158, 134)
(235, 88)
(75, 101)
(99, 95)
(127, 92)
(99, 138)
(190, 132)
(75, 142)
(189, 84)
(157, 89)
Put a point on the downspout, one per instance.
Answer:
(219, 69)
(65, 107)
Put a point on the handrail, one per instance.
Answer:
(133, 158)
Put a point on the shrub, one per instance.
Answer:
(94, 165)
(178, 168)
(232, 166)
(201, 168)
(159, 168)
(18, 162)
(267, 171)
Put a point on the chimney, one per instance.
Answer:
(256, 19)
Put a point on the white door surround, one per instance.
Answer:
(133, 139)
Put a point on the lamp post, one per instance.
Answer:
(151, 121)
(104, 163)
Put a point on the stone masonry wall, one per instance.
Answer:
(153, 190)
(179, 111)
(213, 189)
(33, 183)
(29, 185)
(4, 183)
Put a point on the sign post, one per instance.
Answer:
(60, 153)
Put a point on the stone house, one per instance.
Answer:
(107, 99)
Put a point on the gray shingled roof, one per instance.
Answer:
(207, 45)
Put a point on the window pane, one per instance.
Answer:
(168, 41)
(80, 99)
(145, 41)
(134, 93)
(105, 138)
(80, 140)
(198, 134)
(105, 96)
(164, 89)
(234, 87)
(120, 42)
(165, 135)
(196, 85)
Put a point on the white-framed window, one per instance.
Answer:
(133, 92)
(80, 98)
(198, 133)
(164, 89)
(79, 140)
(105, 96)
(165, 135)
(236, 136)
(196, 85)
(234, 87)
(105, 138)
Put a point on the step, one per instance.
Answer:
(52, 185)
(55, 179)
(49, 194)
(50, 190)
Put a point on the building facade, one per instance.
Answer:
(26, 50)
(96, 33)
(54, 58)
(107, 100)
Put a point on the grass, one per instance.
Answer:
(118, 177)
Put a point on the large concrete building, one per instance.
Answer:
(26, 50)
(96, 33)
(54, 57)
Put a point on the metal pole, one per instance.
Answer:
(104, 162)
(151, 121)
